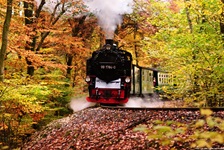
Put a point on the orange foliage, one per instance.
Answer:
(174, 7)
(37, 116)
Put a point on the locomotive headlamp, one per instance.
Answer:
(127, 79)
(87, 79)
(108, 47)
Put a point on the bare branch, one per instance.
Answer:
(61, 13)
(2, 92)
(54, 12)
(37, 14)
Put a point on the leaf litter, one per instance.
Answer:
(100, 128)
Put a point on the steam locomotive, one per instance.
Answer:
(112, 78)
(108, 75)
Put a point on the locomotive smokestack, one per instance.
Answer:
(109, 41)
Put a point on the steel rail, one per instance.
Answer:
(162, 108)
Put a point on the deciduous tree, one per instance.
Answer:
(5, 37)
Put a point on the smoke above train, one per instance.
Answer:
(109, 13)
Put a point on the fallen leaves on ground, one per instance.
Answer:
(100, 128)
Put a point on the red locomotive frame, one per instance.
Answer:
(107, 94)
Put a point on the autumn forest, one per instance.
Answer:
(45, 44)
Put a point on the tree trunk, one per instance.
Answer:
(69, 64)
(5, 37)
(222, 22)
(75, 33)
(188, 18)
(28, 11)
(32, 46)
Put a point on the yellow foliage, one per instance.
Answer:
(206, 112)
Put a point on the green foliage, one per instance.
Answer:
(17, 105)
(194, 56)
(141, 128)
(198, 76)
(201, 132)
(29, 103)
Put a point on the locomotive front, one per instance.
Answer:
(108, 75)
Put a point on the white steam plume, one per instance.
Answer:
(109, 13)
(81, 103)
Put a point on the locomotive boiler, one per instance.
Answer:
(108, 74)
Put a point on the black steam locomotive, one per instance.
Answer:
(108, 75)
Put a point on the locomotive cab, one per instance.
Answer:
(108, 75)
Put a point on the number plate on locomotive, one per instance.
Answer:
(108, 67)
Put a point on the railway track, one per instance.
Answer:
(163, 108)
